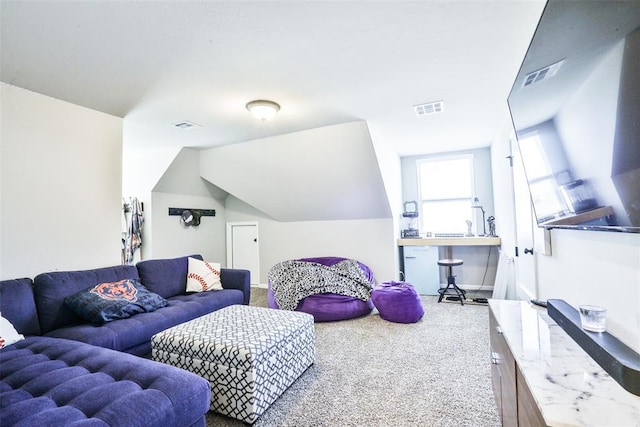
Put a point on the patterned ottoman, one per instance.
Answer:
(250, 355)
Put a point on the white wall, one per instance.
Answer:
(391, 171)
(501, 173)
(369, 241)
(182, 187)
(61, 182)
(328, 173)
(171, 239)
(144, 161)
(596, 267)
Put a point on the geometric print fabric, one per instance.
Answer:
(249, 355)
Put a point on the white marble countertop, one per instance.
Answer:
(571, 389)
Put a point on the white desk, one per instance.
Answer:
(448, 242)
(425, 275)
(451, 241)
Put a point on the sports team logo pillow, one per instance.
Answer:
(105, 302)
(122, 290)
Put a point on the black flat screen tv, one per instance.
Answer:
(575, 107)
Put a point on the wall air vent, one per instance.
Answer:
(429, 108)
(542, 74)
(187, 125)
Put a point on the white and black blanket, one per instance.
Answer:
(291, 281)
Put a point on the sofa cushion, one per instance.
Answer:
(47, 381)
(8, 334)
(134, 334)
(110, 301)
(165, 277)
(18, 306)
(203, 276)
(50, 290)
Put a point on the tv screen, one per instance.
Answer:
(575, 107)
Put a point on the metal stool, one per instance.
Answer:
(452, 289)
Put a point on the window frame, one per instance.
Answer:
(469, 200)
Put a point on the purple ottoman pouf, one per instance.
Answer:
(397, 302)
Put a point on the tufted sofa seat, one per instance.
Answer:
(52, 381)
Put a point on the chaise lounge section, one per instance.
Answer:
(56, 382)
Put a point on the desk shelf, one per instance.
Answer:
(451, 241)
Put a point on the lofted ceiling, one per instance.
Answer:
(325, 62)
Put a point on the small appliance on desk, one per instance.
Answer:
(410, 215)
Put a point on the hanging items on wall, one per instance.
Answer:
(191, 217)
(133, 218)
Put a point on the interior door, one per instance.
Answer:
(526, 280)
(243, 249)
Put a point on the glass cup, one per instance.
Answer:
(593, 318)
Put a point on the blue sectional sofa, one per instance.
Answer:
(165, 277)
(69, 372)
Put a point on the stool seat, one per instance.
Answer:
(452, 291)
(450, 262)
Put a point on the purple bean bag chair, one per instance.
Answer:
(397, 302)
(328, 307)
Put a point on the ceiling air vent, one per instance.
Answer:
(429, 108)
(542, 74)
(186, 125)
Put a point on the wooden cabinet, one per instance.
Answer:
(503, 376)
(528, 411)
(541, 376)
(516, 405)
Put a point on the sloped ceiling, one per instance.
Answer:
(328, 173)
(156, 63)
(182, 177)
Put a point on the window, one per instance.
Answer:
(446, 190)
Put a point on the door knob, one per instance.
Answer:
(528, 251)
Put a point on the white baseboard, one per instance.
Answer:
(259, 285)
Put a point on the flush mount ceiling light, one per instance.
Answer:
(263, 110)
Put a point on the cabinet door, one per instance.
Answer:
(421, 268)
(504, 375)
(528, 412)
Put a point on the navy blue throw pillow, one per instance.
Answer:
(105, 302)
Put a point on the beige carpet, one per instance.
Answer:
(370, 372)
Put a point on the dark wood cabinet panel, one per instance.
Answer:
(515, 403)
(504, 376)
(528, 412)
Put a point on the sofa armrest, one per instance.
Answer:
(233, 278)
